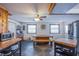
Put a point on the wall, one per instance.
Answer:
(45, 32)
(12, 26)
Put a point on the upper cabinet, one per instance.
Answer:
(3, 20)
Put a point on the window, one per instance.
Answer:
(31, 28)
(54, 28)
(66, 28)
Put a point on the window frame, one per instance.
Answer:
(35, 30)
(58, 28)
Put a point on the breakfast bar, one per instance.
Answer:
(9, 43)
(66, 47)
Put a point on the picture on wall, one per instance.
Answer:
(43, 26)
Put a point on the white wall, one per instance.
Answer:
(45, 32)
(42, 31)
(12, 26)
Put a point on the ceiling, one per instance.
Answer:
(63, 7)
(27, 9)
(25, 12)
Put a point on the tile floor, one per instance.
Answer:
(40, 50)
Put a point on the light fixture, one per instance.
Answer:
(37, 19)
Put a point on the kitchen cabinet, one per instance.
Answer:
(3, 20)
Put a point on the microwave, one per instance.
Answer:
(6, 36)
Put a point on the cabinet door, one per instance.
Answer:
(0, 15)
(0, 20)
(3, 20)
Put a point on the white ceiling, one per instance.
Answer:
(25, 12)
(27, 9)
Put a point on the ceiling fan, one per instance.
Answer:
(38, 18)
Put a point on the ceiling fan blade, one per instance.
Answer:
(43, 17)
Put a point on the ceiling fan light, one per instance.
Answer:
(37, 19)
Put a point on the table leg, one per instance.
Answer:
(54, 49)
(34, 43)
(74, 51)
(20, 48)
(50, 43)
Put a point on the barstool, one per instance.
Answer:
(6, 52)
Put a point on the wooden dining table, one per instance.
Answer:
(42, 39)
